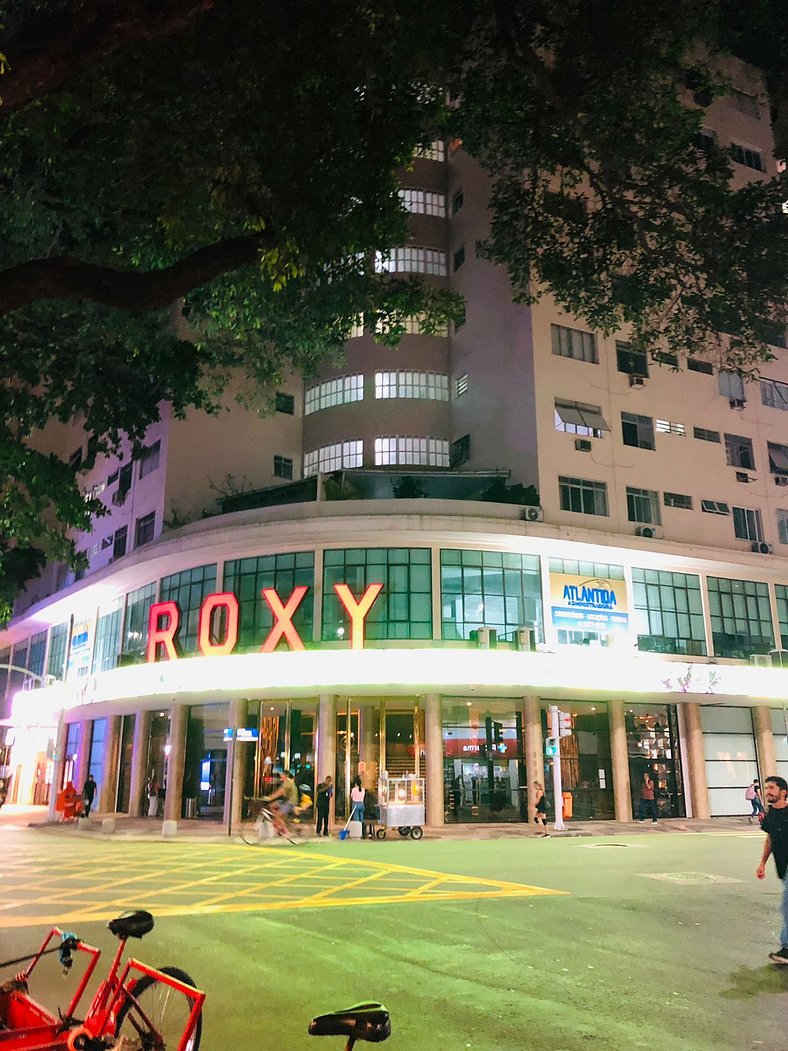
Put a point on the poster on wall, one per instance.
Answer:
(81, 649)
(589, 603)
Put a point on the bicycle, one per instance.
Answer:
(134, 1008)
(370, 1022)
(277, 825)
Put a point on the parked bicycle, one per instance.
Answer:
(136, 1007)
(370, 1022)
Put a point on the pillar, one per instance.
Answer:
(139, 762)
(82, 764)
(368, 748)
(236, 769)
(108, 789)
(696, 762)
(60, 765)
(327, 742)
(764, 741)
(433, 746)
(619, 761)
(173, 799)
(533, 745)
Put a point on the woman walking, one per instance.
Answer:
(540, 809)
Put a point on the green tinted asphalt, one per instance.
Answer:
(622, 961)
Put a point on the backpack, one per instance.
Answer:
(750, 793)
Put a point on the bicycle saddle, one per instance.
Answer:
(131, 924)
(361, 1022)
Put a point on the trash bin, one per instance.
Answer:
(567, 804)
(191, 809)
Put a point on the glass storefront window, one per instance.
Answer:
(586, 766)
(205, 768)
(403, 610)
(246, 578)
(97, 744)
(135, 624)
(492, 589)
(189, 589)
(741, 618)
(653, 748)
(668, 612)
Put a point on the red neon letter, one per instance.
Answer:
(357, 610)
(162, 636)
(221, 600)
(284, 618)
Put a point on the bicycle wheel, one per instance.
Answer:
(155, 1020)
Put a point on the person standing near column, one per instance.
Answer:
(775, 825)
(647, 806)
(88, 795)
(153, 795)
(325, 791)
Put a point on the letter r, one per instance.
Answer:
(162, 636)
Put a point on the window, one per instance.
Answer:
(414, 325)
(699, 365)
(461, 385)
(577, 494)
(412, 259)
(774, 394)
(457, 201)
(731, 385)
(459, 258)
(706, 436)
(119, 542)
(404, 449)
(460, 321)
(113, 478)
(666, 427)
(745, 102)
(246, 578)
(574, 343)
(403, 610)
(339, 391)
(747, 524)
(707, 138)
(143, 530)
(149, 459)
(490, 589)
(75, 460)
(432, 386)
(35, 657)
(56, 659)
(576, 418)
(189, 589)
(778, 458)
(664, 357)
(747, 156)
(637, 431)
(93, 441)
(423, 202)
(781, 592)
(782, 527)
(677, 500)
(738, 451)
(435, 151)
(135, 623)
(741, 617)
(632, 362)
(460, 451)
(334, 457)
(357, 327)
(284, 403)
(107, 646)
(715, 507)
(124, 480)
(643, 506)
(668, 612)
(283, 466)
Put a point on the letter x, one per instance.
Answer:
(284, 618)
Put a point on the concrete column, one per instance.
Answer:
(433, 745)
(696, 762)
(368, 748)
(533, 744)
(173, 800)
(60, 763)
(139, 761)
(82, 764)
(327, 742)
(235, 770)
(764, 741)
(108, 789)
(619, 760)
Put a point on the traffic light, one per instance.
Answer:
(550, 748)
(564, 724)
(498, 737)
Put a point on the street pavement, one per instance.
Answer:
(645, 937)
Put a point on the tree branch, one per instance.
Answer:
(45, 54)
(72, 279)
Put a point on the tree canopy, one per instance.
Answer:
(240, 157)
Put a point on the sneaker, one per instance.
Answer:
(781, 956)
(545, 835)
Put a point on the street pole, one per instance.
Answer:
(231, 760)
(558, 799)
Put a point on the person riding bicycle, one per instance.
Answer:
(285, 798)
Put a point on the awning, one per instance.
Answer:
(778, 458)
(573, 412)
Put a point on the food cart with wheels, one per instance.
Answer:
(401, 806)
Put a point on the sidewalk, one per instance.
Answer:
(150, 829)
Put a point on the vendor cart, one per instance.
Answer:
(401, 806)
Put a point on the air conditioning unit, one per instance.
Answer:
(761, 660)
(649, 531)
(119, 497)
(781, 479)
(637, 380)
(532, 514)
(760, 548)
(737, 403)
(583, 445)
(485, 638)
(524, 639)
(779, 658)
(742, 476)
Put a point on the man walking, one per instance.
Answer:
(88, 795)
(775, 825)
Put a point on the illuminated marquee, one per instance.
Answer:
(165, 617)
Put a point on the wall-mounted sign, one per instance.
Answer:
(588, 603)
(243, 733)
(80, 650)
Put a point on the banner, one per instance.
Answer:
(589, 603)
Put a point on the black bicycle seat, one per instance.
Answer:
(362, 1022)
(131, 924)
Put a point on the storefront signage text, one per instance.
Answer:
(590, 605)
(165, 618)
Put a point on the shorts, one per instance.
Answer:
(286, 808)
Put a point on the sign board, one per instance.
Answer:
(581, 603)
(243, 733)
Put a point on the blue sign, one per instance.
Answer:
(243, 733)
